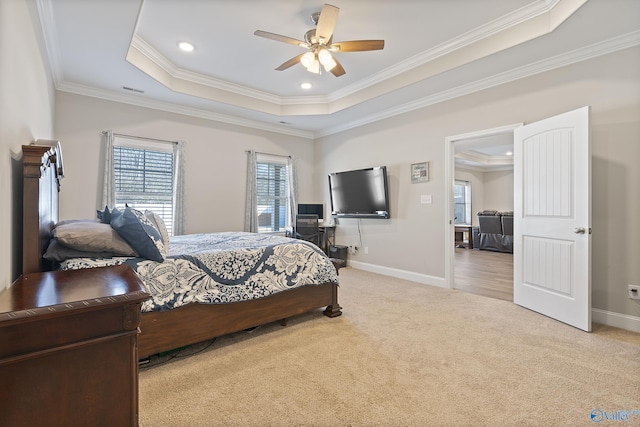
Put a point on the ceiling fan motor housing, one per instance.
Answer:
(311, 39)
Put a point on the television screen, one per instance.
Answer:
(311, 208)
(360, 193)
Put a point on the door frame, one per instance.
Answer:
(449, 246)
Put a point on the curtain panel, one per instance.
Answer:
(251, 205)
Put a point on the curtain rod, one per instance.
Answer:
(269, 154)
(104, 132)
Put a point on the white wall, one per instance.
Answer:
(26, 114)
(498, 191)
(215, 158)
(412, 241)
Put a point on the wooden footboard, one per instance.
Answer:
(166, 330)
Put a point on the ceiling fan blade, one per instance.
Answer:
(279, 38)
(327, 23)
(337, 70)
(357, 46)
(290, 63)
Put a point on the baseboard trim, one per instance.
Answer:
(617, 320)
(609, 318)
(400, 274)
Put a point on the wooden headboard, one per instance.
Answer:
(42, 171)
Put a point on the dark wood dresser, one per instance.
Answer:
(68, 348)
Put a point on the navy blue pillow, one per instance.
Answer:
(104, 216)
(141, 234)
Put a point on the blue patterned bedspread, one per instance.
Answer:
(226, 267)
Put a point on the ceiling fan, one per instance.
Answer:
(319, 42)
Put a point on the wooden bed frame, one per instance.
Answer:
(164, 330)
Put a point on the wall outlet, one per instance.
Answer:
(634, 291)
(366, 249)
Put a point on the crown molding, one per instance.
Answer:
(158, 59)
(526, 23)
(483, 169)
(578, 55)
(496, 26)
(187, 111)
(484, 159)
(512, 19)
(48, 34)
(589, 52)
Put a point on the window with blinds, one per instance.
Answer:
(272, 193)
(462, 202)
(144, 180)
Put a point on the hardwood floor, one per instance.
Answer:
(484, 273)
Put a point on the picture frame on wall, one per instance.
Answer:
(419, 172)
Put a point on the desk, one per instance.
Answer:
(327, 236)
(459, 236)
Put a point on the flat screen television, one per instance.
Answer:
(361, 193)
(311, 208)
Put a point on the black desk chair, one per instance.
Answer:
(307, 228)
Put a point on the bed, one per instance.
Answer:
(178, 319)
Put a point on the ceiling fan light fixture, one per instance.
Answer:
(307, 59)
(310, 62)
(314, 67)
(326, 59)
(324, 56)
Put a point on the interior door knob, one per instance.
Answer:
(579, 230)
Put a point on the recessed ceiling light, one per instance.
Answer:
(509, 153)
(305, 85)
(186, 46)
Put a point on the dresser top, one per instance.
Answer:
(55, 291)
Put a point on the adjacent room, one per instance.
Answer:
(287, 212)
(483, 215)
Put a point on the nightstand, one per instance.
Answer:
(68, 348)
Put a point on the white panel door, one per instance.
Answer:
(552, 218)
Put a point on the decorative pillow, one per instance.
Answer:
(92, 236)
(162, 228)
(71, 221)
(59, 252)
(104, 216)
(134, 227)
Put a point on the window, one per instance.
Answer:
(143, 177)
(462, 202)
(272, 193)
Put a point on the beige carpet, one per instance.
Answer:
(402, 354)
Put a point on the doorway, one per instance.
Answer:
(475, 271)
(552, 215)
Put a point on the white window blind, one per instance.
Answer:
(462, 202)
(272, 192)
(143, 173)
